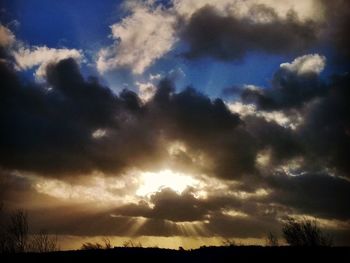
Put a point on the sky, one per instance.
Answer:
(175, 123)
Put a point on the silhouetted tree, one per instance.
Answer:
(271, 240)
(304, 233)
(17, 232)
(2, 230)
(43, 242)
(14, 235)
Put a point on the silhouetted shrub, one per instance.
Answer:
(107, 243)
(90, 245)
(228, 243)
(131, 243)
(304, 233)
(43, 242)
(271, 240)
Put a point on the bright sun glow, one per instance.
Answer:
(153, 182)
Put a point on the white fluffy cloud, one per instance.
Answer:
(150, 31)
(140, 39)
(7, 38)
(27, 58)
(312, 63)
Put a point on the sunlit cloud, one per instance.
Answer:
(279, 117)
(152, 182)
(40, 56)
(95, 189)
(261, 192)
(313, 63)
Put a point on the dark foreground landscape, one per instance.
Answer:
(204, 254)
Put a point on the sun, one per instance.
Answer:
(152, 182)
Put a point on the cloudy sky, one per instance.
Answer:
(175, 123)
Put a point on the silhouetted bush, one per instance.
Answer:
(107, 243)
(131, 243)
(43, 242)
(271, 240)
(304, 233)
(228, 243)
(91, 246)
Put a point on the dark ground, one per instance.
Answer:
(206, 254)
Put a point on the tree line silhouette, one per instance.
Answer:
(15, 237)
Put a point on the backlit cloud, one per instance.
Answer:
(40, 57)
(152, 151)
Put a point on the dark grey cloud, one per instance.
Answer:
(60, 117)
(206, 126)
(320, 195)
(289, 90)
(322, 139)
(168, 205)
(228, 38)
(48, 128)
(325, 132)
(209, 33)
(338, 24)
(282, 142)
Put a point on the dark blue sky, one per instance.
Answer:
(85, 25)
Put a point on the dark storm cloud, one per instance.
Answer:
(209, 33)
(282, 142)
(49, 128)
(323, 138)
(12, 187)
(338, 24)
(168, 205)
(288, 90)
(185, 207)
(320, 195)
(191, 114)
(325, 132)
(207, 126)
